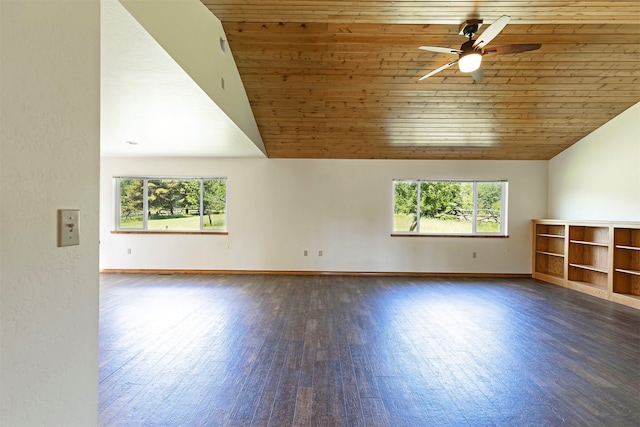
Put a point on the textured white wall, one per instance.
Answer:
(279, 208)
(598, 178)
(180, 26)
(49, 160)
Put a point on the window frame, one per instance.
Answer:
(504, 188)
(117, 180)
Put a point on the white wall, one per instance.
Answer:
(49, 160)
(191, 34)
(598, 178)
(279, 208)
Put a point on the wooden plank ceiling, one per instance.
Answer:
(339, 79)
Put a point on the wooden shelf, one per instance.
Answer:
(588, 255)
(589, 267)
(591, 285)
(631, 248)
(632, 272)
(559, 276)
(550, 253)
(626, 263)
(553, 236)
(595, 257)
(583, 242)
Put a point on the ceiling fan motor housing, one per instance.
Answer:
(470, 27)
(467, 47)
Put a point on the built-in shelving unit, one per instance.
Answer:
(589, 258)
(598, 258)
(549, 255)
(626, 264)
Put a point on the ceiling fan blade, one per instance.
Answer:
(477, 74)
(491, 32)
(511, 48)
(437, 70)
(440, 49)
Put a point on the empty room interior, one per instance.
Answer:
(293, 212)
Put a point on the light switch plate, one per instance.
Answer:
(68, 227)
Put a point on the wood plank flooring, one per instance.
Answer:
(263, 350)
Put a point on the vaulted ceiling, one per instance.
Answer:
(339, 79)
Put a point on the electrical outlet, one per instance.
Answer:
(474, 255)
(320, 252)
(306, 252)
(129, 251)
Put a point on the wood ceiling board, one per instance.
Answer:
(433, 12)
(335, 79)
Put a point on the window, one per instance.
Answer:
(171, 204)
(449, 207)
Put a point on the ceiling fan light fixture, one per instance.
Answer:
(471, 52)
(470, 62)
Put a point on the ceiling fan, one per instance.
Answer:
(471, 52)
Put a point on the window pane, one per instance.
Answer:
(450, 207)
(489, 201)
(214, 204)
(173, 204)
(131, 203)
(405, 206)
(446, 207)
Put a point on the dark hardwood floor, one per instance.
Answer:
(218, 350)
